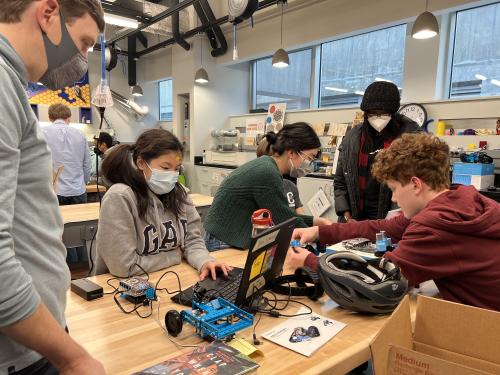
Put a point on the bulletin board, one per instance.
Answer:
(77, 95)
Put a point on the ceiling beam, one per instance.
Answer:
(160, 16)
(200, 29)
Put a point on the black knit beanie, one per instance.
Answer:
(381, 95)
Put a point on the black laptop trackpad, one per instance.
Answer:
(185, 297)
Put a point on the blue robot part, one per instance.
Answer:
(217, 319)
(383, 243)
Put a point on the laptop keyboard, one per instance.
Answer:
(230, 290)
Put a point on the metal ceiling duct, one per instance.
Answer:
(143, 11)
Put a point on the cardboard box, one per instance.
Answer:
(448, 338)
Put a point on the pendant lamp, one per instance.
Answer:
(201, 75)
(425, 26)
(280, 57)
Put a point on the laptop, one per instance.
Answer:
(264, 263)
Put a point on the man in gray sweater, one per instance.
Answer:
(40, 41)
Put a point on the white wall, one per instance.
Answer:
(124, 124)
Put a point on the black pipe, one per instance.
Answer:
(204, 20)
(159, 17)
(200, 29)
(132, 66)
(176, 32)
(217, 30)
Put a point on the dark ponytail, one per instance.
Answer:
(120, 167)
(296, 137)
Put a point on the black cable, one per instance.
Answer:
(275, 310)
(115, 289)
(144, 272)
(136, 306)
(90, 253)
(166, 289)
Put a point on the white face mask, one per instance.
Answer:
(162, 182)
(379, 122)
(302, 170)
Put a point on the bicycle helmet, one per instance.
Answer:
(369, 286)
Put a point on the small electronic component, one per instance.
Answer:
(359, 244)
(315, 250)
(136, 289)
(383, 243)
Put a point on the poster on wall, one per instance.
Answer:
(275, 117)
(77, 95)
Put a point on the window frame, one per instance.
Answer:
(159, 99)
(342, 106)
(451, 55)
(254, 76)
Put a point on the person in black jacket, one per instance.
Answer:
(358, 196)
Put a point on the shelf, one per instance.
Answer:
(471, 137)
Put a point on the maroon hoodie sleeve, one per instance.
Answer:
(423, 255)
(331, 234)
(394, 228)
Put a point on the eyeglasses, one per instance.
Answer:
(308, 160)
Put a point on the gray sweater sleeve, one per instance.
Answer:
(18, 297)
(117, 238)
(195, 250)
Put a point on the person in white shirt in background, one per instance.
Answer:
(70, 150)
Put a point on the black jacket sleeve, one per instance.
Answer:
(340, 192)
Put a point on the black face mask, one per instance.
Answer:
(97, 151)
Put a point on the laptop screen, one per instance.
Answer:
(265, 259)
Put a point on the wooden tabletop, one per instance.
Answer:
(92, 188)
(126, 343)
(201, 200)
(80, 212)
(90, 211)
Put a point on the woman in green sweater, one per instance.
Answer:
(259, 184)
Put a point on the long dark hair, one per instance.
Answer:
(296, 137)
(391, 131)
(120, 167)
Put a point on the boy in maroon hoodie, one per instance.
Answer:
(447, 234)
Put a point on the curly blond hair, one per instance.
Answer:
(420, 155)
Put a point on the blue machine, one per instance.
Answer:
(383, 244)
(217, 319)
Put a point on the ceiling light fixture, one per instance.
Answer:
(426, 25)
(335, 89)
(201, 75)
(113, 19)
(495, 82)
(137, 90)
(480, 77)
(357, 92)
(280, 57)
(379, 79)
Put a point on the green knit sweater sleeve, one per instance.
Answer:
(272, 197)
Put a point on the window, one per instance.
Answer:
(475, 70)
(290, 85)
(165, 97)
(349, 65)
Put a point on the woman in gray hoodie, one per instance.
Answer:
(147, 219)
